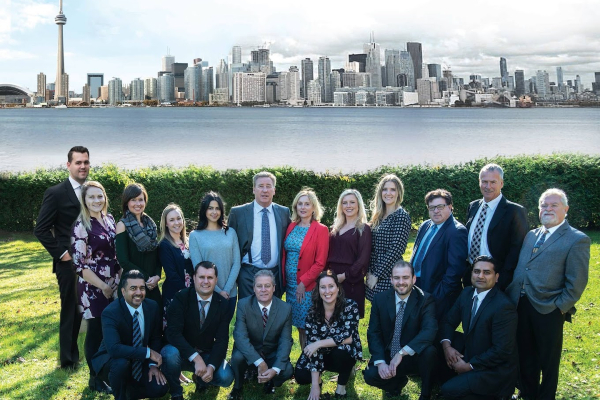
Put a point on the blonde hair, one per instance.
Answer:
(377, 204)
(164, 230)
(314, 200)
(340, 217)
(84, 213)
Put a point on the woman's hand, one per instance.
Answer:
(224, 294)
(300, 290)
(371, 280)
(108, 290)
(315, 392)
(311, 349)
(152, 283)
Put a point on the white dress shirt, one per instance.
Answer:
(256, 247)
(552, 230)
(484, 250)
(141, 321)
(407, 350)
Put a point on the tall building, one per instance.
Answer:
(596, 83)
(95, 80)
(249, 87)
(435, 71)
(503, 72)
(41, 85)
(115, 91)
(392, 67)
(60, 91)
(222, 75)
(166, 88)
(578, 85)
(178, 70)
(542, 83)
(85, 96)
(559, 77)
(236, 55)
(260, 61)
(416, 54)
(361, 59)
(335, 84)
(519, 82)
(150, 91)
(308, 74)
(193, 83)
(406, 77)
(314, 93)
(324, 69)
(136, 90)
(293, 84)
(64, 85)
(373, 65)
(167, 62)
(207, 83)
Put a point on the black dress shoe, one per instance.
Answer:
(269, 387)
(98, 385)
(235, 394)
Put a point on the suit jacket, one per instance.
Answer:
(419, 325)
(505, 235)
(313, 254)
(556, 275)
(184, 331)
(444, 263)
(254, 341)
(489, 343)
(58, 212)
(117, 331)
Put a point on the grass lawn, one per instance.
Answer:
(29, 316)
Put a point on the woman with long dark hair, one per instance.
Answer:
(214, 241)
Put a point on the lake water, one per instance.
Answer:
(320, 139)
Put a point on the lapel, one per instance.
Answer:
(466, 309)
(195, 310)
(147, 323)
(420, 236)
(126, 317)
(438, 235)
(488, 299)
(71, 192)
(555, 236)
(309, 234)
(413, 299)
(272, 316)
(391, 300)
(278, 223)
(498, 215)
(473, 212)
(249, 211)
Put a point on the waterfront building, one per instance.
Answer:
(519, 82)
(427, 89)
(273, 88)
(219, 97)
(208, 83)
(104, 93)
(373, 61)
(136, 90)
(249, 87)
(416, 53)
(324, 70)
(497, 82)
(448, 78)
(85, 96)
(192, 77)
(578, 85)
(41, 85)
(596, 83)
(94, 81)
(222, 75)
(150, 91)
(392, 67)
(340, 99)
(335, 79)
(406, 77)
(542, 84)
(361, 59)
(115, 91)
(307, 75)
(361, 98)
(293, 84)
(167, 63)
(503, 72)
(314, 93)
(178, 70)
(62, 88)
(511, 83)
(559, 77)
(236, 55)
(166, 88)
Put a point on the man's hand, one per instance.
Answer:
(452, 355)
(262, 368)
(384, 371)
(208, 375)
(199, 366)
(160, 378)
(156, 357)
(461, 366)
(394, 364)
(266, 376)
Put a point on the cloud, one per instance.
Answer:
(9, 54)
(27, 14)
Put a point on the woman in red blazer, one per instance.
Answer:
(305, 251)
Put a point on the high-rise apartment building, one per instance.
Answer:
(207, 83)
(308, 74)
(559, 77)
(136, 90)
(41, 85)
(64, 87)
(578, 85)
(314, 93)
(392, 67)
(115, 91)
(249, 87)
(416, 54)
(373, 64)
(503, 72)
(542, 83)
(260, 61)
(166, 88)
(150, 90)
(596, 83)
(519, 82)
(236, 55)
(335, 84)
(95, 80)
(178, 69)
(222, 75)
(293, 84)
(192, 77)
(324, 69)
(85, 94)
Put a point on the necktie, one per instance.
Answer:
(473, 311)
(423, 248)
(265, 317)
(477, 233)
(397, 330)
(265, 248)
(136, 367)
(540, 241)
(202, 312)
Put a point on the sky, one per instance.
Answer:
(128, 38)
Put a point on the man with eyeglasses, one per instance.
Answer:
(440, 251)
(550, 277)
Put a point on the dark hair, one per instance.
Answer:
(132, 191)
(131, 274)
(488, 259)
(402, 264)
(317, 309)
(204, 203)
(206, 265)
(438, 194)
(77, 149)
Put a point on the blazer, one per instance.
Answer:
(184, 331)
(175, 266)
(255, 341)
(117, 331)
(556, 275)
(490, 342)
(443, 266)
(505, 235)
(419, 325)
(58, 212)
(313, 254)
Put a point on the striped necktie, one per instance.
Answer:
(397, 330)
(540, 241)
(136, 367)
(202, 312)
(477, 234)
(265, 317)
(265, 247)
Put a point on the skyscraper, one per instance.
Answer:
(222, 75)
(207, 83)
(503, 72)
(308, 74)
(416, 53)
(361, 59)
(260, 61)
(519, 82)
(435, 71)
(559, 77)
(392, 66)
(373, 65)
(236, 55)
(193, 83)
(293, 84)
(86, 94)
(60, 20)
(542, 83)
(136, 90)
(166, 88)
(115, 91)
(324, 69)
(150, 91)
(596, 83)
(95, 81)
(167, 62)
(41, 85)
(406, 77)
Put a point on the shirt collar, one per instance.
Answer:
(268, 307)
(258, 208)
(399, 299)
(480, 295)
(494, 203)
(554, 228)
(74, 183)
(133, 310)
(201, 299)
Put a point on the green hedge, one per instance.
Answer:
(526, 177)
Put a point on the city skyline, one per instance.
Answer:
(119, 40)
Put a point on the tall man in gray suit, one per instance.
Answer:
(260, 226)
(549, 279)
(263, 337)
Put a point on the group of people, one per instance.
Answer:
(519, 288)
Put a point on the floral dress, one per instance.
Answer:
(292, 245)
(94, 250)
(346, 325)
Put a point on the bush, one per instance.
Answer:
(526, 177)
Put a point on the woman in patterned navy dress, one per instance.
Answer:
(95, 261)
(304, 256)
(390, 226)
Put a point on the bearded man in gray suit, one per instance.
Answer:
(260, 226)
(550, 277)
(263, 337)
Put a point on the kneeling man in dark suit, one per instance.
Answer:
(263, 336)
(198, 334)
(485, 356)
(401, 334)
(129, 353)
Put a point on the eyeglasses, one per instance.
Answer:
(439, 207)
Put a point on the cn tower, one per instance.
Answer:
(59, 86)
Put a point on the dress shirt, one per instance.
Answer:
(419, 250)
(481, 297)
(256, 247)
(77, 188)
(206, 308)
(260, 360)
(407, 349)
(552, 230)
(484, 249)
(141, 320)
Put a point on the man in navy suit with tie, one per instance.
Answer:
(198, 334)
(440, 252)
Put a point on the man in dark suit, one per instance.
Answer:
(263, 337)
(440, 252)
(401, 332)
(198, 334)
(266, 222)
(58, 212)
(485, 356)
(496, 226)
(551, 276)
(129, 354)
